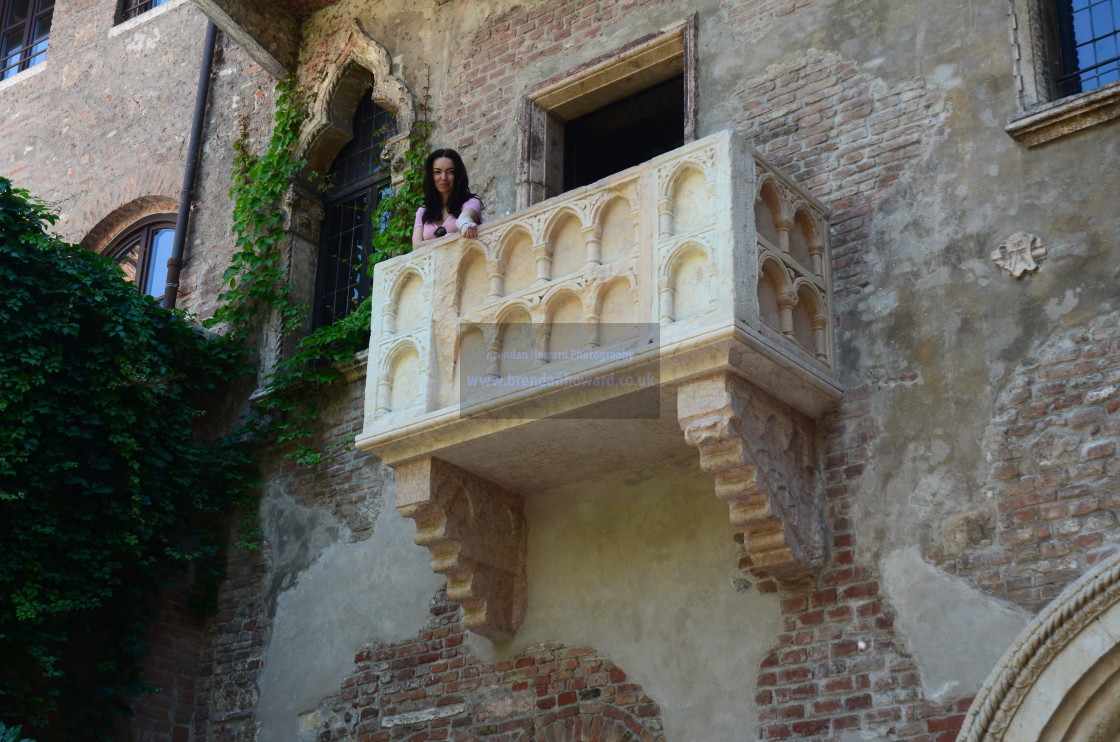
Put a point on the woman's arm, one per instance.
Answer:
(470, 217)
(418, 229)
(468, 223)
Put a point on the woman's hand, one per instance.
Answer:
(468, 223)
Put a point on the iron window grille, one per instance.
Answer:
(142, 252)
(359, 179)
(1089, 39)
(25, 32)
(131, 8)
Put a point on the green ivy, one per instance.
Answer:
(291, 408)
(256, 276)
(109, 490)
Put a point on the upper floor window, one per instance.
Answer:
(620, 110)
(1089, 38)
(358, 178)
(132, 8)
(25, 31)
(143, 250)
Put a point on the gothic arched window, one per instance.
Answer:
(358, 179)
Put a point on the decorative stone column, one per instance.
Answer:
(476, 533)
(760, 452)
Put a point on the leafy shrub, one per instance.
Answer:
(107, 489)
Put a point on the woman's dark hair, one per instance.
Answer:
(433, 204)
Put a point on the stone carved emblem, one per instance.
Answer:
(1019, 253)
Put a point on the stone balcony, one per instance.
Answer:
(682, 305)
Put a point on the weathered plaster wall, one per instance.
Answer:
(893, 116)
(973, 460)
(642, 566)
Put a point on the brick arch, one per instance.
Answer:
(121, 218)
(593, 723)
(84, 222)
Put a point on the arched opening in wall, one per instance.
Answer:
(142, 251)
(358, 179)
(767, 213)
(1060, 680)
(611, 113)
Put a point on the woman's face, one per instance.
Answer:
(443, 174)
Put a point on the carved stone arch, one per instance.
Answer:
(398, 320)
(557, 217)
(680, 253)
(772, 213)
(682, 170)
(558, 295)
(1060, 680)
(564, 257)
(607, 285)
(403, 346)
(402, 278)
(599, 209)
(472, 290)
(775, 270)
(510, 310)
(388, 375)
(360, 63)
(775, 292)
(520, 273)
(810, 320)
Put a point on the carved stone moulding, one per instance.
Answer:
(640, 319)
(761, 455)
(476, 533)
(1060, 680)
(1019, 253)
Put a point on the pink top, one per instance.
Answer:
(450, 224)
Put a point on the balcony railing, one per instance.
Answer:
(583, 334)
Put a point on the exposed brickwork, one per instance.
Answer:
(548, 693)
(89, 131)
(1055, 469)
(843, 135)
(837, 667)
(750, 20)
(483, 101)
(343, 483)
(173, 646)
(232, 659)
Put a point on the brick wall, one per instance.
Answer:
(846, 137)
(236, 635)
(173, 646)
(548, 692)
(1055, 470)
(92, 130)
(838, 668)
(483, 100)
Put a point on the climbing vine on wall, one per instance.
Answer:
(108, 487)
(289, 411)
(256, 277)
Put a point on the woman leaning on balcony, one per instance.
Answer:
(449, 205)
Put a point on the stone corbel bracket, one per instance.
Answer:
(761, 454)
(476, 533)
